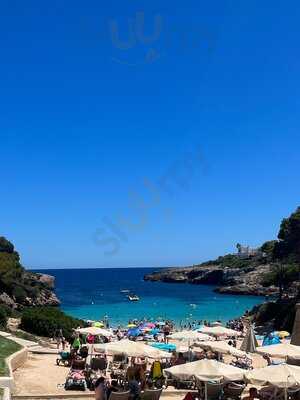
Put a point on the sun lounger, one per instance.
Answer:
(84, 351)
(293, 361)
(96, 369)
(76, 380)
(271, 393)
(233, 391)
(294, 393)
(211, 391)
(151, 394)
(189, 384)
(119, 395)
(98, 364)
(118, 362)
(78, 364)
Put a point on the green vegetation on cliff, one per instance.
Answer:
(288, 246)
(279, 315)
(17, 286)
(11, 271)
(284, 254)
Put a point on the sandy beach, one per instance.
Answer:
(40, 376)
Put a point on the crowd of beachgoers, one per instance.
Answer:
(158, 331)
(147, 357)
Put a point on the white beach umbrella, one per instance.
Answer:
(281, 350)
(206, 370)
(282, 375)
(216, 323)
(93, 330)
(222, 348)
(219, 331)
(189, 336)
(132, 349)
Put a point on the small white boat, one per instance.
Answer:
(124, 291)
(133, 297)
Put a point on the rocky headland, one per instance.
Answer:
(242, 281)
(272, 269)
(20, 288)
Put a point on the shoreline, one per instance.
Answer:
(195, 312)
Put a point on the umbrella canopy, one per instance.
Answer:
(149, 325)
(189, 336)
(93, 330)
(98, 324)
(282, 375)
(134, 332)
(206, 370)
(249, 343)
(132, 349)
(222, 348)
(219, 331)
(281, 350)
(283, 334)
(216, 323)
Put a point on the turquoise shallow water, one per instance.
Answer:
(94, 293)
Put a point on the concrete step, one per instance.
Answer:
(43, 350)
(170, 394)
(69, 396)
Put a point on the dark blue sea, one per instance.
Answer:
(95, 293)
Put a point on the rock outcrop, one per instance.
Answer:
(20, 288)
(7, 300)
(243, 281)
(45, 295)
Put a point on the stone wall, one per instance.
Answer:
(13, 362)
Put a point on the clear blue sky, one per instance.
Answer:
(87, 116)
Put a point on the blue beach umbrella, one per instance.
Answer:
(134, 332)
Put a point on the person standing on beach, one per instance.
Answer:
(100, 390)
(59, 338)
(166, 331)
(76, 344)
(134, 386)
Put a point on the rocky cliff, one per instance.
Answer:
(255, 272)
(44, 296)
(247, 281)
(20, 288)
